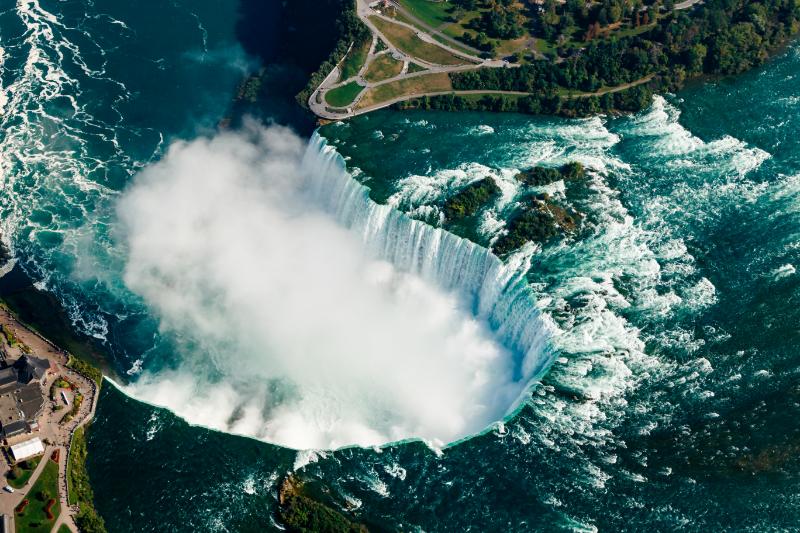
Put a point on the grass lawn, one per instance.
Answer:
(343, 96)
(509, 47)
(34, 517)
(426, 83)
(631, 31)
(355, 59)
(451, 44)
(457, 32)
(544, 46)
(430, 12)
(406, 40)
(25, 474)
(383, 67)
(63, 529)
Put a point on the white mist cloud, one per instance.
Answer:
(288, 332)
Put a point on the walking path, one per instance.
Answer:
(53, 431)
(433, 31)
(317, 102)
(64, 517)
(686, 5)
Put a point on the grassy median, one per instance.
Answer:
(343, 96)
(415, 85)
(406, 40)
(383, 67)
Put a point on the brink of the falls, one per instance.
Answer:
(310, 316)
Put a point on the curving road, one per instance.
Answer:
(317, 102)
(433, 31)
(319, 107)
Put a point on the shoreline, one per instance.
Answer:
(473, 87)
(55, 429)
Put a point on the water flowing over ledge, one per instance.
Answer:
(497, 291)
(309, 316)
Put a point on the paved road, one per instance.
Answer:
(365, 12)
(687, 4)
(433, 31)
(317, 100)
(406, 97)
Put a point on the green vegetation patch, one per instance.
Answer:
(431, 12)
(461, 48)
(470, 199)
(538, 176)
(383, 67)
(79, 487)
(343, 96)
(43, 505)
(539, 221)
(300, 513)
(20, 473)
(406, 40)
(354, 60)
(9, 336)
(351, 30)
(425, 83)
(82, 367)
(607, 47)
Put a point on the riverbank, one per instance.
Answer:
(59, 427)
(601, 73)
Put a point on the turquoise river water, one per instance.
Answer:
(641, 374)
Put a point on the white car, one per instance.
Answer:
(8, 488)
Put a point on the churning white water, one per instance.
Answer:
(309, 316)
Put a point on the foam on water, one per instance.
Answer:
(632, 261)
(51, 178)
(471, 337)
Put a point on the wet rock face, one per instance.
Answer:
(540, 218)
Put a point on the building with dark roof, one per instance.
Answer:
(21, 395)
(30, 368)
(8, 376)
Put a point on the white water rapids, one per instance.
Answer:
(309, 316)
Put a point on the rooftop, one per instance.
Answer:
(29, 448)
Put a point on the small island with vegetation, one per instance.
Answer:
(470, 199)
(300, 511)
(569, 58)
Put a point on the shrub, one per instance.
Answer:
(470, 199)
(538, 176)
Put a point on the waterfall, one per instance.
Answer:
(364, 326)
(497, 292)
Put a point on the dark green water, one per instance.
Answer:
(674, 401)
